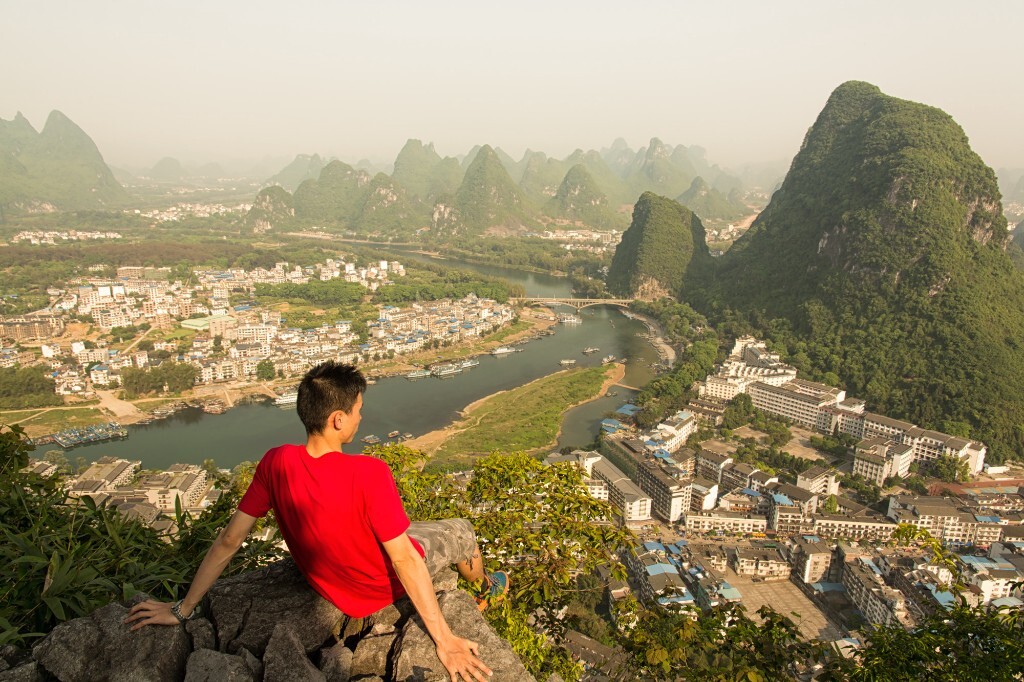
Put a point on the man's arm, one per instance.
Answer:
(459, 656)
(216, 560)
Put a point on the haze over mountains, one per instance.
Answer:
(881, 260)
(58, 167)
(488, 190)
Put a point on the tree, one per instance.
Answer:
(265, 370)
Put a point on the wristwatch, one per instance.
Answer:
(176, 610)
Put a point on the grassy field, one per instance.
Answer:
(525, 418)
(50, 421)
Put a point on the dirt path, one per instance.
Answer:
(119, 408)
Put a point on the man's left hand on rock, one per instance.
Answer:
(151, 612)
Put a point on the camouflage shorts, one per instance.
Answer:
(444, 542)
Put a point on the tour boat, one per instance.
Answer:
(567, 363)
(371, 439)
(418, 374)
(590, 349)
(503, 350)
(471, 362)
(607, 359)
(445, 370)
(286, 399)
(394, 434)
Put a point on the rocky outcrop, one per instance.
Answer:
(267, 625)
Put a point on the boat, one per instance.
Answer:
(471, 362)
(286, 399)
(607, 359)
(418, 374)
(503, 350)
(445, 370)
(394, 434)
(566, 318)
(590, 349)
(406, 436)
(567, 363)
(371, 439)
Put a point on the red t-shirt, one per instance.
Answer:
(334, 512)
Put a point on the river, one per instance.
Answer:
(246, 431)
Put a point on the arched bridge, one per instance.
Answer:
(576, 303)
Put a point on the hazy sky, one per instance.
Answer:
(215, 80)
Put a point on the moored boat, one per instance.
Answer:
(567, 363)
(590, 349)
(394, 434)
(418, 374)
(371, 439)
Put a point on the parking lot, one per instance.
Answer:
(787, 599)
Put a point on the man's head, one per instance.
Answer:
(327, 389)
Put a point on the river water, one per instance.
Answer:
(246, 431)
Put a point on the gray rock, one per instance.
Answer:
(206, 665)
(336, 663)
(247, 607)
(79, 648)
(389, 619)
(254, 664)
(371, 655)
(415, 657)
(445, 580)
(285, 659)
(29, 672)
(201, 632)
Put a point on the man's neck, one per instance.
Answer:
(319, 444)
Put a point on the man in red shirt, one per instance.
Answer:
(343, 521)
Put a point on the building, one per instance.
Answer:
(624, 494)
(879, 603)
(878, 458)
(820, 480)
(721, 521)
(105, 474)
(762, 562)
(861, 526)
(31, 327)
(669, 490)
(799, 401)
(811, 559)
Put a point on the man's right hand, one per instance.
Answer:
(460, 658)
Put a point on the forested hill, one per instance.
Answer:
(57, 168)
(882, 259)
(663, 247)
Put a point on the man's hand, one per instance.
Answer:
(151, 612)
(460, 657)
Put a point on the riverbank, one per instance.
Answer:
(657, 337)
(510, 416)
(43, 421)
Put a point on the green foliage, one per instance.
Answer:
(710, 204)
(513, 502)
(66, 557)
(265, 370)
(656, 251)
(330, 293)
(60, 166)
(524, 418)
(486, 198)
(579, 198)
(880, 260)
(950, 469)
(175, 376)
(671, 392)
(27, 387)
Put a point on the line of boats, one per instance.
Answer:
(396, 436)
(443, 369)
(69, 438)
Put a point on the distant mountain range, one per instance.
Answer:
(488, 190)
(881, 260)
(58, 168)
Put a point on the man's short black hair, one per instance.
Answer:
(326, 388)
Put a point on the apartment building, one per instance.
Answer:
(798, 400)
(669, 490)
(879, 603)
(877, 458)
(765, 563)
(820, 480)
(721, 521)
(852, 526)
(633, 503)
(811, 558)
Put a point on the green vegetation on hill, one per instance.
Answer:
(303, 167)
(663, 243)
(273, 207)
(486, 198)
(580, 199)
(59, 167)
(422, 171)
(881, 260)
(710, 204)
(542, 177)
